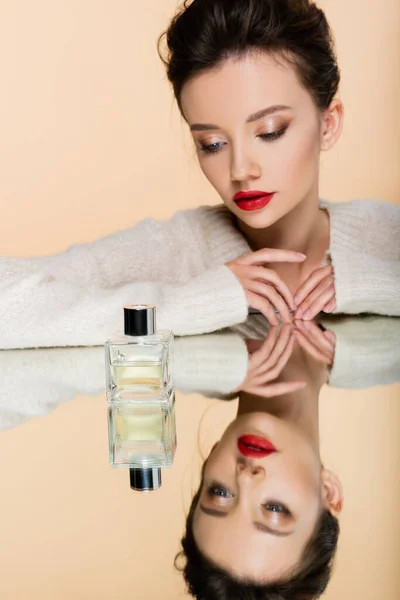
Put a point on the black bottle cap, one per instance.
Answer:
(139, 319)
(145, 480)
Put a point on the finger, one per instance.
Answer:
(319, 303)
(268, 365)
(313, 333)
(282, 361)
(266, 255)
(278, 389)
(310, 283)
(312, 296)
(270, 277)
(311, 349)
(330, 307)
(265, 308)
(265, 350)
(273, 296)
(285, 332)
(331, 337)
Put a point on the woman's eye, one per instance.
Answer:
(219, 491)
(267, 137)
(275, 507)
(211, 148)
(270, 137)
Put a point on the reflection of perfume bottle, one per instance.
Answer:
(139, 361)
(142, 437)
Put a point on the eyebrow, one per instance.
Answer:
(260, 526)
(254, 117)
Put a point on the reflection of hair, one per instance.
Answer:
(206, 32)
(206, 581)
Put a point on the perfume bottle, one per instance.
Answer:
(142, 437)
(139, 360)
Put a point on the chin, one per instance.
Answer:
(259, 220)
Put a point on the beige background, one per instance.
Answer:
(90, 143)
(72, 528)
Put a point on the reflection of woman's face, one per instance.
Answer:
(277, 152)
(266, 508)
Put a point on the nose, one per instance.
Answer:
(249, 468)
(244, 167)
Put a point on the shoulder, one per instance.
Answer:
(363, 208)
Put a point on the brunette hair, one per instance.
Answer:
(204, 33)
(205, 580)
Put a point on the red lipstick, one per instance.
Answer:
(255, 446)
(253, 199)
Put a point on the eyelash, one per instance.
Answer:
(267, 137)
(268, 505)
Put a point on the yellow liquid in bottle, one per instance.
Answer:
(138, 373)
(139, 428)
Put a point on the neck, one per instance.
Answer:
(286, 232)
(299, 408)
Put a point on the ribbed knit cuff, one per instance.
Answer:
(213, 364)
(367, 351)
(214, 300)
(365, 285)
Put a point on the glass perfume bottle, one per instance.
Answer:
(139, 360)
(142, 437)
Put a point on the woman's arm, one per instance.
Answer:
(151, 250)
(35, 382)
(75, 298)
(40, 311)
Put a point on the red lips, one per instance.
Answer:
(253, 199)
(254, 446)
(250, 194)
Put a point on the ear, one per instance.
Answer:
(332, 124)
(332, 492)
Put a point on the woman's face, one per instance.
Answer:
(266, 509)
(243, 143)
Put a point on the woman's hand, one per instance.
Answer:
(315, 294)
(265, 290)
(320, 344)
(267, 358)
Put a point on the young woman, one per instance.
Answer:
(256, 82)
(264, 522)
(227, 552)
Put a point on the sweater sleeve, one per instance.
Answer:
(41, 311)
(35, 382)
(365, 253)
(367, 351)
(75, 298)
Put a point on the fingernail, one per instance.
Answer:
(301, 255)
(296, 299)
(298, 313)
(307, 315)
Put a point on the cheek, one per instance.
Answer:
(307, 479)
(214, 169)
(299, 158)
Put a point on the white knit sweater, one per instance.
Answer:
(75, 298)
(35, 382)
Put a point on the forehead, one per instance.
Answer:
(250, 82)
